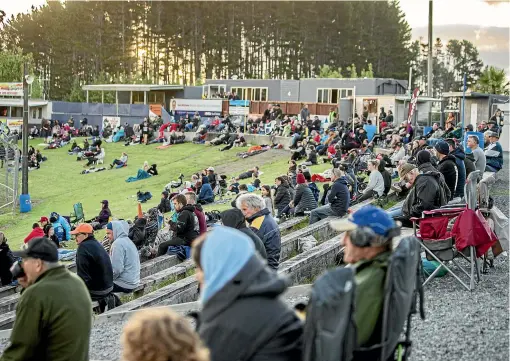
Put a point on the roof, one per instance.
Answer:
(18, 102)
(420, 98)
(473, 95)
(130, 87)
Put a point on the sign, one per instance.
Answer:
(114, 122)
(239, 110)
(11, 89)
(239, 103)
(12, 124)
(474, 114)
(412, 107)
(204, 107)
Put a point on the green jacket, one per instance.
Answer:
(53, 320)
(370, 278)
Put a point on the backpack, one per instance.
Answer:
(330, 331)
(143, 197)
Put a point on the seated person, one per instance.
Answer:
(103, 218)
(153, 169)
(206, 194)
(6, 261)
(386, 176)
(312, 156)
(185, 228)
(337, 197)
(120, 162)
(124, 256)
(164, 204)
(93, 156)
(493, 153)
(375, 185)
(137, 233)
(368, 241)
(37, 231)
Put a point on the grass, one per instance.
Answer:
(58, 184)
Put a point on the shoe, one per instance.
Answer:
(111, 166)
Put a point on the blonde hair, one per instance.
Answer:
(161, 335)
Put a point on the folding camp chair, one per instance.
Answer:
(77, 215)
(434, 235)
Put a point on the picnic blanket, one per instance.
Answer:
(316, 177)
(139, 176)
(92, 170)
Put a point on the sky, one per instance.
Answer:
(446, 12)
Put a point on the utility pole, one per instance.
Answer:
(429, 63)
(24, 156)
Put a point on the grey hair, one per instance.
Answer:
(475, 139)
(50, 265)
(252, 201)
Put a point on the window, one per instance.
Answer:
(331, 95)
(4, 111)
(252, 93)
(156, 97)
(16, 112)
(213, 91)
(138, 98)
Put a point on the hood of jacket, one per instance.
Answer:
(140, 223)
(205, 180)
(459, 153)
(447, 158)
(220, 267)
(198, 207)
(188, 207)
(262, 212)
(233, 218)
(427, 168)
(120, 229)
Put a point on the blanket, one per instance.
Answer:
(140, 175)
(93, 170)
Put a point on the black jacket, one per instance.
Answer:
(234, 218)
(339, 197)
(164, 205)
(425, 194)
(312, 157)
(304, 199)
(282, 196)
(248, 320)
(448, 168)
(185, 227)
(212, 179)
(94, 267)
(6, 262)
(137, 232)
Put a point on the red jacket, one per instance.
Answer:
(36, 232)
(202, 224)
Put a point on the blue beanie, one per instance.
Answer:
(109, 226)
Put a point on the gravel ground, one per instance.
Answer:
(459, 325)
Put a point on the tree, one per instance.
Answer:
(11, 65)
(76, 94)
(493, 81)
(326, 71)
(352, 71)
(36, 90)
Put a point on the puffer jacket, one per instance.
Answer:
(448, 168)
(460, 156)
(427, 192)
(282, 197)
(304, 199)
(264, 226)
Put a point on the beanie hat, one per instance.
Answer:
(300, 179)
(442, 147)
(423, 156)
(109, 226)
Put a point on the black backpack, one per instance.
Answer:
(330, 331)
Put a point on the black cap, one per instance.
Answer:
(41, 248)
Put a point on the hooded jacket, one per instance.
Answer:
(246, 319)
(339, 197)
(234, 218)
(125, 258)
(64, 224)
(206, 191)
(425, 194)
(137, 232)
(164, 204)
(186, 226)
(460, 156)
(264, 226)
(304, 199)
(94, 267)
(36, 232)
(282, 197)
(202, 223)
(448, 168)
(104, 214)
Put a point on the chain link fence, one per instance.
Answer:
(9, 171)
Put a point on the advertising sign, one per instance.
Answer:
(11, 89)
(114, 122)
(12, 124)
(204, 107)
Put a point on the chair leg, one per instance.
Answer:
(472, 261)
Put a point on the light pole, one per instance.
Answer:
(27, 80)
(429, 63)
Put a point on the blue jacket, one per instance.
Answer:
(64, 226)
(494, 155)
(264, 226)
(459, 155)
(339, 197)
(59, 231)
(206, 192)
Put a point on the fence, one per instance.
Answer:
(9, 172)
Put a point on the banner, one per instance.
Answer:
(412, 107)
(204, 107)
(12, 124)
(112, 121)
(11, 89)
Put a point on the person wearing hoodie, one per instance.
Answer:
(338, 198)
(304, 199)
(206, 194)
(375, 182)
(460, 158)
(243, 315)
(234, 218)
(185, 229)
(36, 232)
(282, 196)
(263, 224)
(137, 233)
(64, 225)
(164, 204)
(447, 166)
(124, 256)
(103, 218)
(191, 199)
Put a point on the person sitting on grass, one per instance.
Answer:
(49, 232)
(62, 227)
(120, 162)
(37, 231)
(206, 194)
(103, 218)
(249, 173)
(97, 154)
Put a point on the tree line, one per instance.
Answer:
(184, 42)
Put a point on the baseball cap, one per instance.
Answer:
(83, 228)
(43, 219)
(492, 134)
(369, 216)
(211, 169)
(406, 168)
(41, 248)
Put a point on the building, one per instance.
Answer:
(11, 111)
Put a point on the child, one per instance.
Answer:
(268, 200)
